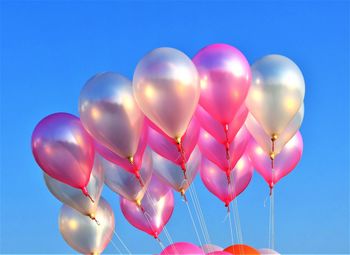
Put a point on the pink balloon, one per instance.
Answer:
(217, 130)
(219, 253)
(284, 162)
(216, 180)
(167, 147)
(124, 162)
(64, 150)
(155, 211)
(225, 78)
(182, 248)
(216, 152)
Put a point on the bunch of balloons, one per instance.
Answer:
(147, 137)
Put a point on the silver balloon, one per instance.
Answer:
(208, 248)
(83, 234)
(171, 173)
(166, 87)
(264, 140)
(125, 183)
(74, 197)
(109, 112)
(276, 94)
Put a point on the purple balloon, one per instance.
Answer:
(215, 180)
(284, 162)
(225, 78)
(216, 152)
(182, 248)
(155, 210)
(64, 150)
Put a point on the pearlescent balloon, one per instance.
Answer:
(182, 248)
(215, 180)
(167, 90)
(109, 112)
(266, 251)
(284, 162)
(225, 79)
(83, 234)
(74, 197)
(125, 183)
(64, 150)
(155, 210)
(216, 152)
(217, 130)
(165, 146)
(276, 94)
(219, 253)
(171, 173)
(207, 248)
(265, 141)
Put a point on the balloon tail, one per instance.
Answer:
(183, 195)
(182, 154)
(95, 220)
(86, 193)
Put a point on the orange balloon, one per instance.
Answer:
(242, 249)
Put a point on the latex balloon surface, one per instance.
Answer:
(182, 248)
(242, 249)
(225, 78)
(130, 166)
(83, 234)
(215, 180)
(207, 248)
(171, 173)
(74, 197)
(219, 253)
(284, 162)
(155, 210)
(63, 149)
(217, 130)
(264, 140)
(268, 252)
(110, 114)
(167, 90)
(276, 94)
(125, 183)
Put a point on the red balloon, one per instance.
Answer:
(242, 249)
(64, 150)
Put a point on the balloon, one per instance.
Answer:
(217, 130)
(216, 152)
(276, 94)
(219, 253)
(155, 210)
(83, 234)
(125, 183)
(182, 248)
(284, 162)
(64, 150)
(110, 114)
(215, 180)
(265, 141)
(167, 90)
(268, 252)
(207, 248)
(73, 197)
(241, 249)
(169, 173)
(225, 78)
(167, 147)
(132, 167)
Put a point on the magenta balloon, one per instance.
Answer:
(157, 205)
(225, 77)
(64, 150)
(216, 180)
(216, 152)
(182, 248)
(216, 129)
(166, 146)
(284, 162)
(123, 162)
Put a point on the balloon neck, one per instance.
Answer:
(227, 205)
(131, 160)
(139, 178)
(274, 137)
(155, 235)
(271, 188)
(183, 195)
(86, 193)
(178, 140)
(92, 217)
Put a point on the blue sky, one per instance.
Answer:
(49, 50)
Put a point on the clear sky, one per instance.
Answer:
(49, 49)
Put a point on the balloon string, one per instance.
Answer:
(193, 223)
(235, 212)
(230, 222)
(121, 241)
(115, 246)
